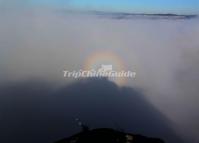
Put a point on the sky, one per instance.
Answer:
(140, 6)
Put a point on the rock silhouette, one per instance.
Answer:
(105, 135)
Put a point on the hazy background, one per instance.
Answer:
(38, 44)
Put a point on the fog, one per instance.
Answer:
(40, 44)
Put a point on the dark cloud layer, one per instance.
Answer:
(35, 111)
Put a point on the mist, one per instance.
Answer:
(40, 44)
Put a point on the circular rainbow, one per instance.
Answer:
(95, 60)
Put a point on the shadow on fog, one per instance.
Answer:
(36, 111)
